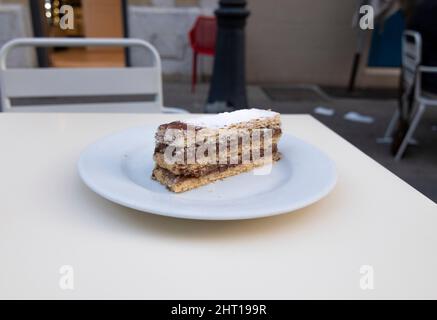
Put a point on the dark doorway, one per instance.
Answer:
(95, 15)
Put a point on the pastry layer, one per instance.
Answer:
(178, 183)
(185, 167)
(198, 169)
(273, 122)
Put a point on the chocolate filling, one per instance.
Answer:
(160, 147)
(183, 126)
(204, 170)
(176, 125)
(197, 171)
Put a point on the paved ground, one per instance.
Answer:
(419, 166)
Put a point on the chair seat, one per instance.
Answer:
(205, 51)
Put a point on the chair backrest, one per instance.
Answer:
(139, 87)
(203, 35)
(411, 58)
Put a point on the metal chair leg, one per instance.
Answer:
(388, 135)
(387, 138)
(410, 131)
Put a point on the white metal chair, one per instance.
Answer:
(412, 79)
(139, 87)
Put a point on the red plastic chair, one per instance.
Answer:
(202, 41)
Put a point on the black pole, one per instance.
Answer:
(125, 13)
(228, 83)
(39, 26)
(353, 76)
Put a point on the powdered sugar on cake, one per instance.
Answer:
(226, 119)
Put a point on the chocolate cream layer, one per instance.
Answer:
(172, 178)
(271, 123)
(186, 168)
(198, 169)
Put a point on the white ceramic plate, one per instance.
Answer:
(119, 168)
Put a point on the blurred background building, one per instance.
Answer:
(288, 41)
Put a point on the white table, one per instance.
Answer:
(48, 219)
